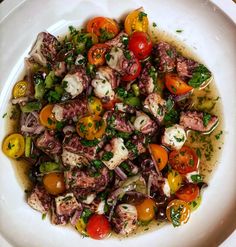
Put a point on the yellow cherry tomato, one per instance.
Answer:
(14, 146)
(47, 117)
(136, 21)
(54, 183)
(195, 204)
(81, 227)
(20, 89)
(178, 212)
(94, 106)
(159, 154)
(174, 180)
(146, 210)
(91, 127)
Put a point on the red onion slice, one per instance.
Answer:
(120, 173)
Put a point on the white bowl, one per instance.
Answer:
(208, 31)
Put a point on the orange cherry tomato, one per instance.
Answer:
(96, 54)
(47, 117)
(159, 154)
(146, 210)
(184, 160)
(54, 183)
(175, 85)
(178, 212)
(188, 192)
(20, 89)
(104, 28)
(91, 127)
(94, 105)
(14, 145)
(136, 21)
(98, 226)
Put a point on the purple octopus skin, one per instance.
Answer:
(165, 55)
(139, 143)
(71, 109)
(78, 179)
(57, 219)
(48, 143)
(39, 199)
(195, 121)
(45, 49)
(73, 145)
(146, 81)
(118, 121)
(118, 40)
(124, 219)
(122, 63)
(67, 204)
(185, 67)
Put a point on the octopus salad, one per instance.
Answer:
(105, 116)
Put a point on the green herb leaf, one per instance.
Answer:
(206, 118)
(200, 75)
(107, 156)
(196, 178)
(141, 15)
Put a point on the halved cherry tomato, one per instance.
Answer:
(94, 105)
(96, 54)
(140, 44)
(98, 226)
(135, 74)
(81, 227)
(20, 89)
(174, 180)
(104, 28)
(159, 154)
(14, 146)
(91, 127)
(47, 117)
(184, 160)
(146, 210)
(110, 104)
(195, 203)
(178, 212)
(188, 192)
(136, 21)
(54, 183)
(175, 85)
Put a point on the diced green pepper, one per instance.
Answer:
(133, 101)
(135, 89)
(31, 106)
(39, 90)
(49, 81)
(49, 167)
(28, 143)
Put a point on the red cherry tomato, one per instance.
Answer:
(140, 44)
(98, 226)
(175, 85)
(184, 160)
(135, 74)
(110, 104)
(188, 192)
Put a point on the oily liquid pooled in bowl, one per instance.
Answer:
(209, 145)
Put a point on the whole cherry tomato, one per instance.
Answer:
(140, 44)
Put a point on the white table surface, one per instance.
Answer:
(228, 6)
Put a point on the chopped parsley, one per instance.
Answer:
(206, 118)
(196, 178)
(141, 15)
(107, 156)
(217, 136)
(154, 24)
(4, 115)
(200, 74)
(179, 31)
(88, 143)
(176, 215)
